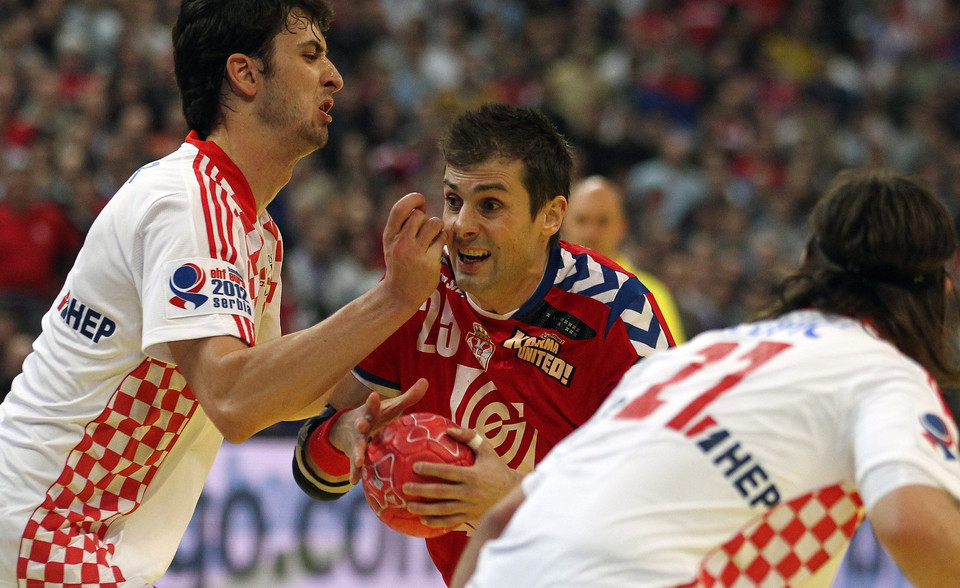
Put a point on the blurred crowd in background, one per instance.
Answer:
(721, 120)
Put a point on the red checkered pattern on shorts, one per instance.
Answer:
(788, 544)
(105, 476)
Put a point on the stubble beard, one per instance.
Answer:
(276, 111)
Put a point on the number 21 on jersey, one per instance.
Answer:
(740, 363)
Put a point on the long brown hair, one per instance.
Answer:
(881, 249)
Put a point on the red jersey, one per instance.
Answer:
(527, 379)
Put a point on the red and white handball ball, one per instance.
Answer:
(391, 453)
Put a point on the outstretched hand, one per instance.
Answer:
(465, 492)
(353, 430)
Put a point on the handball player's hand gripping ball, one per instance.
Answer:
(389, 463)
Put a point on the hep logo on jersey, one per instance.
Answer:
(937, 433)
(186, 284)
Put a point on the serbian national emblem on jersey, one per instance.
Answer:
(480, 344)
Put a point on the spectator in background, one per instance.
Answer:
(11, 338)
(324, 273)
(15, 349)
(666, 188)
(595, 219)
(86, 201)
(38, 243)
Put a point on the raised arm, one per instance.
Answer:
(246, 389)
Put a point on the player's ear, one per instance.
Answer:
(553, 212)
(242, 73)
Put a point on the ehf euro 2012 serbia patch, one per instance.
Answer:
(204, 286)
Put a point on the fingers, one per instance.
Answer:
(413, 394)
(412, 249)
(444, 513)
(426, 231)
(468, 437)
(371, 412)
(431, 234)
(363, 425)
(408, 218)
(401, 211)
(394, 407)
(357, 457)
(476, 442)
(444, 522)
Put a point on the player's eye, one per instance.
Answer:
(452, 202)
(491, 205)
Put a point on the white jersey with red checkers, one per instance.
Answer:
(103, 448)
(746, 457)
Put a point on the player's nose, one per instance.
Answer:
(464, 224)
(333, 80)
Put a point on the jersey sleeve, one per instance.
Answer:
(635, 310)
(902, 435)
(664, 307)
(381, 369)
(190, 290)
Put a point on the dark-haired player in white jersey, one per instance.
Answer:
(165, 338)
(521, 341)
(750, 455)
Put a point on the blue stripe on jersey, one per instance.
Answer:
(587, 276)
(375, 382)
(631, 296)
(579, 273)
(648, 337)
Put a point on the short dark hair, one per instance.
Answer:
(513, 133)
(207, 32)
(880, 249)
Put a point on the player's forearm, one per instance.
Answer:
(249, 389)
(920, 527)
(244, 390)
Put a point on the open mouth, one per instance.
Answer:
(326, 105)
(472, 255)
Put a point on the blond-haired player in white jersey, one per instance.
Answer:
(165, 338)
(749, 456)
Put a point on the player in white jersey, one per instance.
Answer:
(165, 338)
(749, 456)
